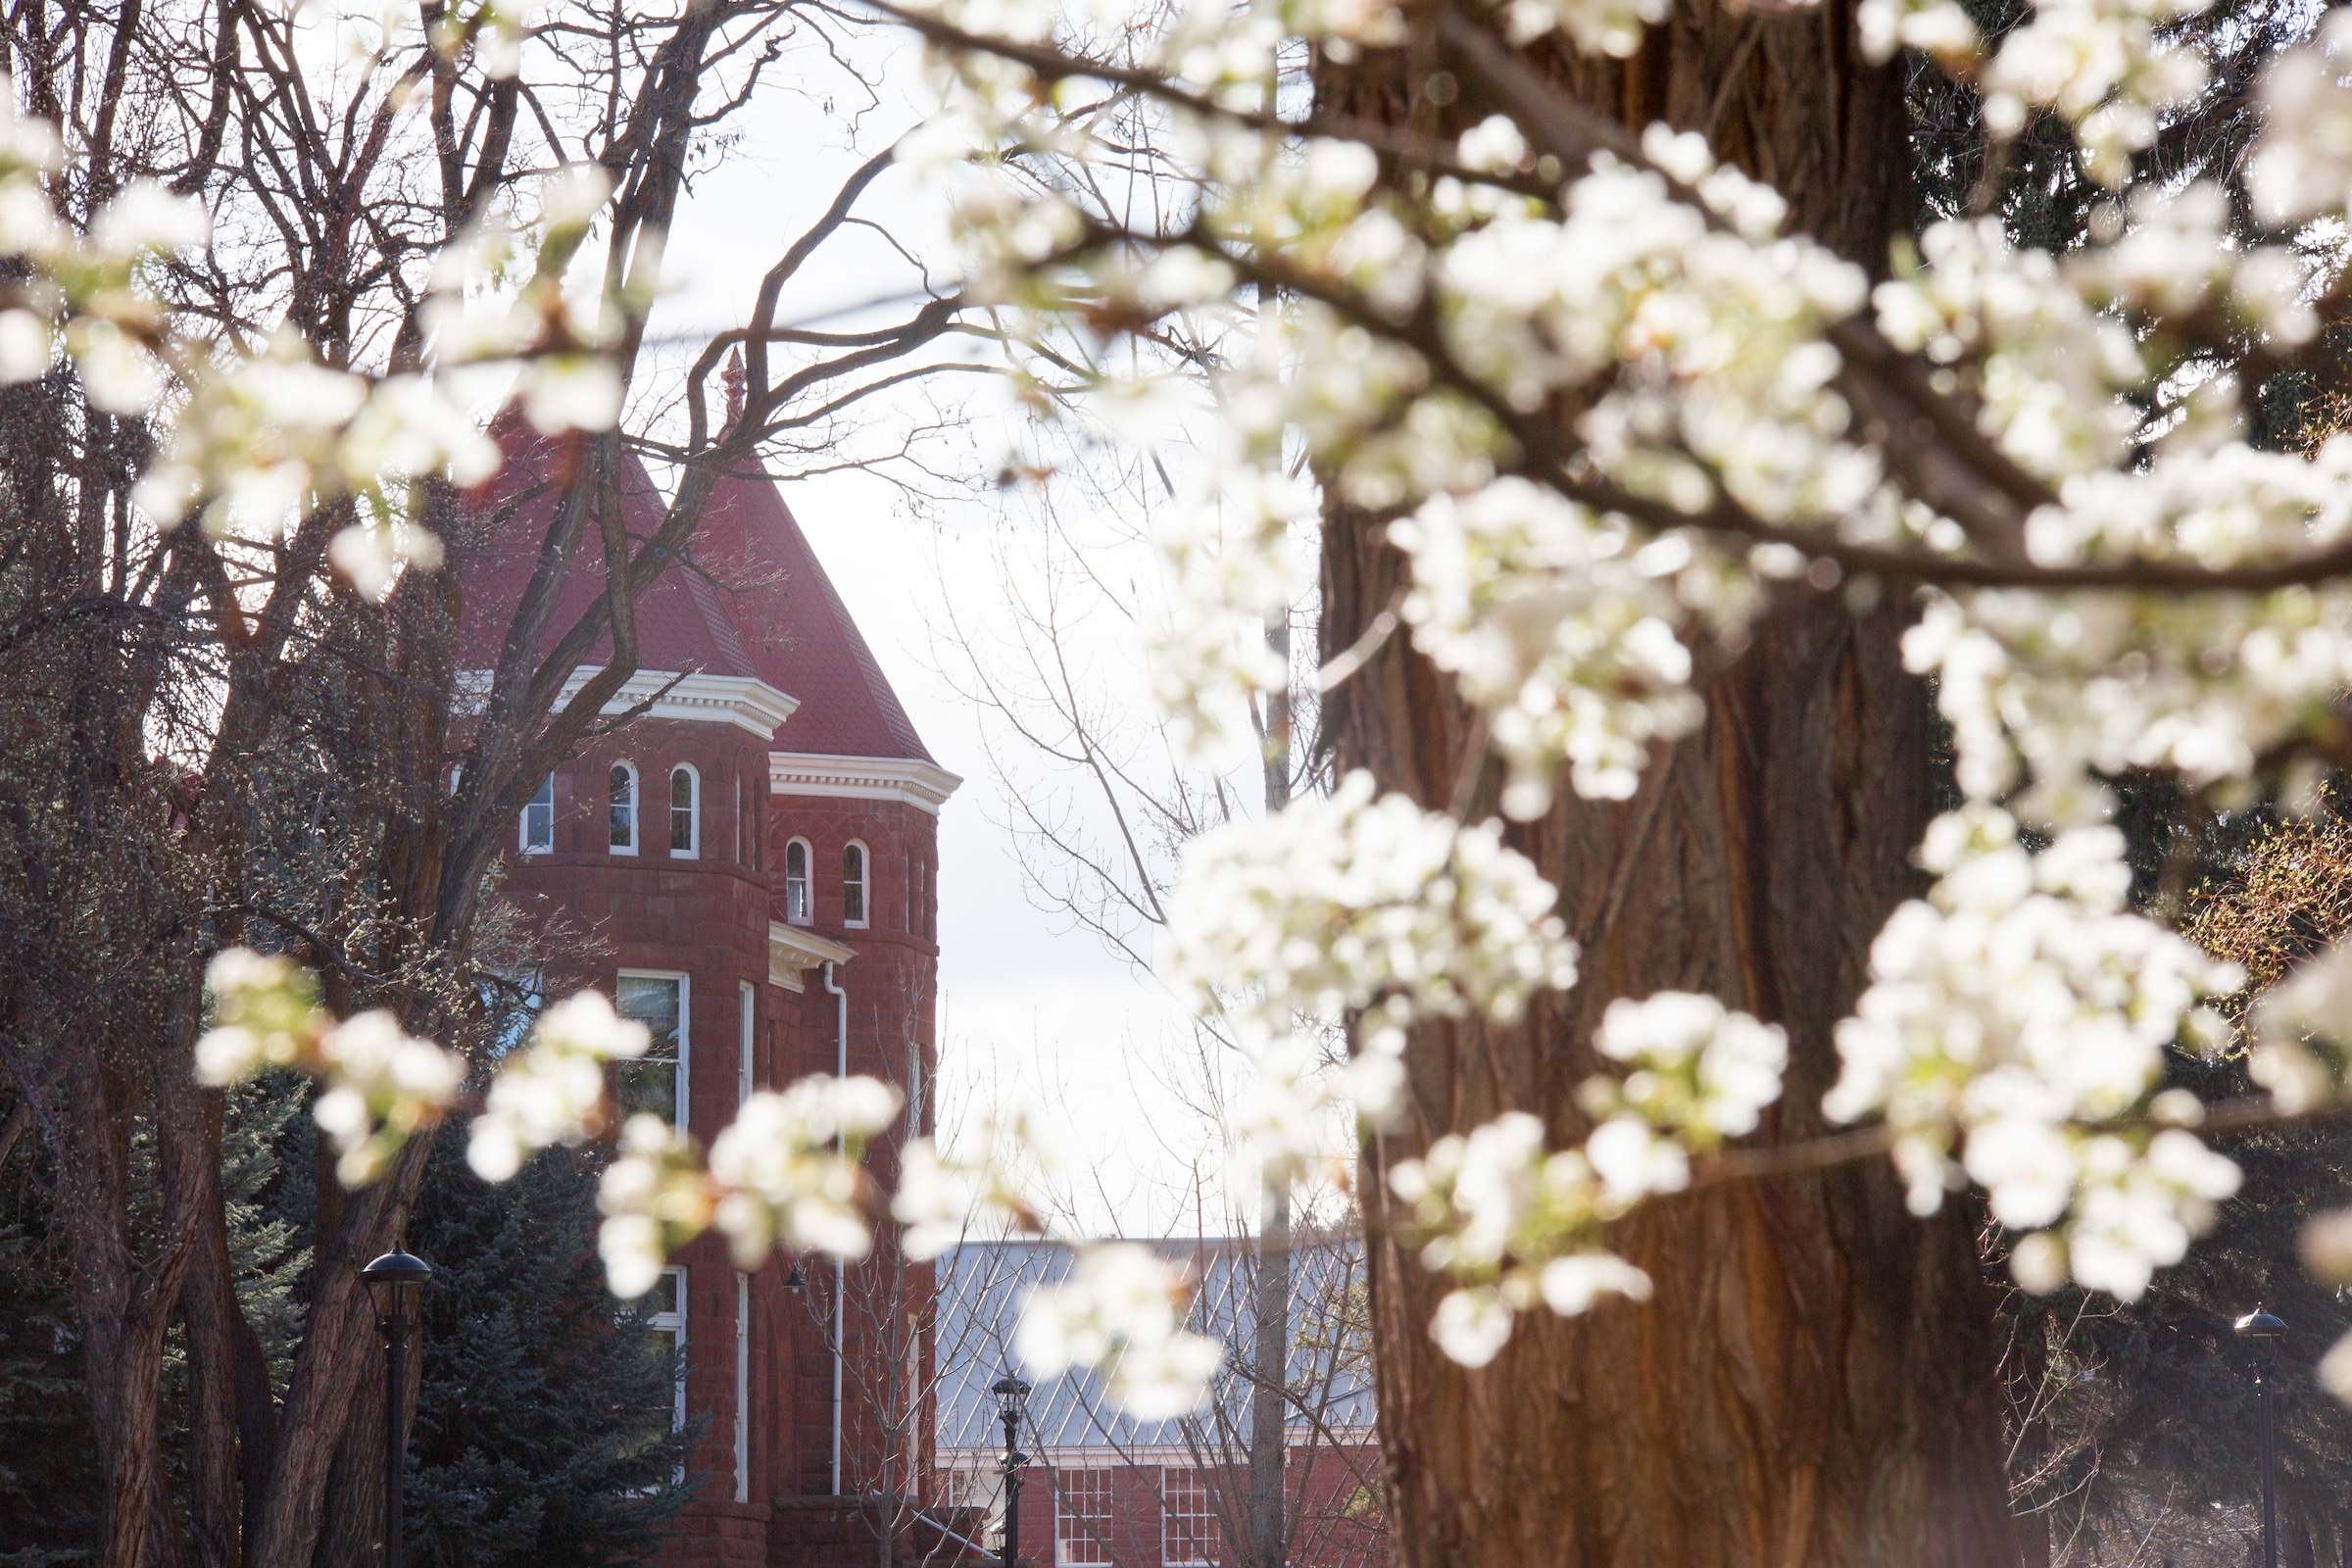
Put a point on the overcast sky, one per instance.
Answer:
(1026, 1003)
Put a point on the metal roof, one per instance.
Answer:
(981, 1288)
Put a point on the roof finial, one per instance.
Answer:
(734, 379)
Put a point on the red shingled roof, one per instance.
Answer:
(751, 600)
(800, 634)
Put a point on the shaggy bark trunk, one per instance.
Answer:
(1813, 1382)
(207, 1305)
(123, 1301)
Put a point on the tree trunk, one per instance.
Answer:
(208, 1302)
(1813, 1382)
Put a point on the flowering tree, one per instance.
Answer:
(1676, 483)
(1657, 479)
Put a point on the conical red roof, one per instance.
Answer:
(799, 636)
(751, 599)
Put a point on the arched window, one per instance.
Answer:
(539, 819)
(623, 784)
(685, 811)
(796, 882)
(853, 883)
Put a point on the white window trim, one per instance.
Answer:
(746, 1005)
(694, 811)
(1199, 1541)
(743, 1387)
(866, 883)
(807, 915)
(636, 808)
(685, 1012)
(675, 1323)
(523, 825)
(1088, 1539)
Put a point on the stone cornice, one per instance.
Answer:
(793, 951)
(743, 700)
(925, 786)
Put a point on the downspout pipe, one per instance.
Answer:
(841, 1069)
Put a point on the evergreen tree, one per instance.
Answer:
(542, 1429)
(49, 1494)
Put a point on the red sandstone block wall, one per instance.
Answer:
(708, 917)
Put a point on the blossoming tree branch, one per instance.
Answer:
(1609, 413)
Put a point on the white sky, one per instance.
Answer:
(1027, 1007)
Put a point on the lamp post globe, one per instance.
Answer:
(2261, 1332)
(1012, 1395)
(394, 1284)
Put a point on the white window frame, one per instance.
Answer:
(694, 811)
(685, 1013)
(674, 1323)
(865, 885)
(743, 1387)
(747, 1007)
(808, 880)
(636, 808)
(1183, 1546)
(1089, 1536)
(522, 828)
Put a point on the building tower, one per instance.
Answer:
(758, 854)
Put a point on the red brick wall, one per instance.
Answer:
(892, 990)
(1323, 1483)
(708, 917)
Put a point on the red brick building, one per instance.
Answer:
(1103, 1490)
(757, 856)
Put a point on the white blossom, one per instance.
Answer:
(2013, 1012)
(980, 1184)
(383, 1085)
(1471, 1325)
(2045, 364)
(1120, 1314)
(1560, 625)
(1699, 1068)
(552, 1092)
(2302, 163)
(1595, 27)
(1346, 903)
(1518, 1224)
(654, 1198)
(787, 1168)
(2302, 1030)
(266, 1011)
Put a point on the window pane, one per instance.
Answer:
(796, 881)
(1081, 1516)
(652, 1000)
(624, 809)
(681, 810)
(1189, 1531)
(539, 819)
(647, 1088)
(649, 1084)
(852, 884)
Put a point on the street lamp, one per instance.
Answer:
(1011, 1393)
(2261, 1332)
(394, 1281)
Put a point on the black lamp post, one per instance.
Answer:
(394, 1280)
(2261, 1332)
(1011, 1393)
